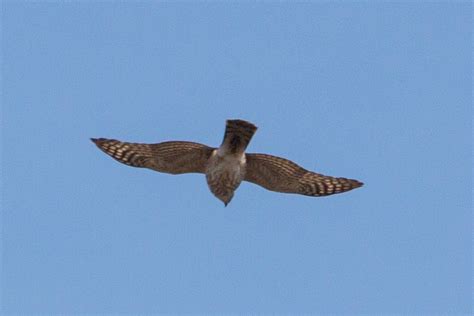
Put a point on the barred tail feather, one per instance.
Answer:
(238, 134)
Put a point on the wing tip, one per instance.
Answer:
(99, 141)
(357, 184)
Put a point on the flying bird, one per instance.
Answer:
(227, 166)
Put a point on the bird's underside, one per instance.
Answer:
(225, 167)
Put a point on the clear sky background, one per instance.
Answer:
(376, 92)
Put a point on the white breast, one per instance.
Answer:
(227, 171)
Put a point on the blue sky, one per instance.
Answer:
(376, 92)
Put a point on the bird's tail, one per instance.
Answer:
(238, 134)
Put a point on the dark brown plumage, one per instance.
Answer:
(227, 166)
(169, 157)
(282, 175)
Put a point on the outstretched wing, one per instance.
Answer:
(169, 157)
(282, 175)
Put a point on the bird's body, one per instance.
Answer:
(224, 173)
(227, 166)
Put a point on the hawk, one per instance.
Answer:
(227, 166)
